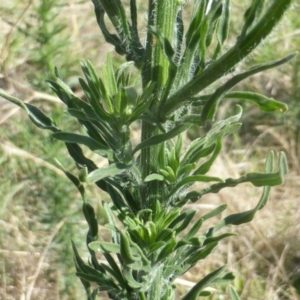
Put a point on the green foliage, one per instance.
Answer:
(43, 35)
(149, 184)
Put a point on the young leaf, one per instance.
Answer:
(104, 247)
(110, 171)
(36, 116)
(263, 102)
(205, 167)
(160, 138)
(74, 179)
(206, 281)
(154, 176)
(191, 180)
(195, 228)
(90, 217)
(69, 137)
(214, 212)
(125, 249)
(164, 42)
(127, 272)
(232, 293)
(210, 107)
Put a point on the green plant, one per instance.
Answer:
(38, 38)
(150, 183)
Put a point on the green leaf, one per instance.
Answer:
(195, 228)
(160, 138)
(143, 103)
(205, 167)
(154, 247)
(91, 143)
(165, 235)
(197, 151)
(117, 272)
(186, 169)
(105, 285)
(79, 266)
(90, 217)
(110, 216)
(198, 15)
(128, 42)
(110, 171)
(214, 212)
(263, 102)
(36, 116)
(127, 272)
(164, 42)
(232, 293)
(109, 79)
(247, 216)
(154, 176)
(269, 178)
(89, 273)
(79, 263)
(223, 26)
(104, 247)
(251, 15)
(110, 38)
(229, 277)
(210, 106)
(177, 218)
(164, 219)
(214, 239)
(73, 178)
(170, 270)
(185, 218)
(191, 180)
(217, 69)
(116, 276)
(167, 249)
(126, 251)
(206, 281)
(201, 254)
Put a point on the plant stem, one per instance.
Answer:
(161, 15)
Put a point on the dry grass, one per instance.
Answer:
(265, 255)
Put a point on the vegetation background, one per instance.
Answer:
(40, 210)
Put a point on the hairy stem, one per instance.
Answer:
(161, 15)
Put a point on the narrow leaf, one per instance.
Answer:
(195, 228)
(110, 171)
(160, 138)
(205, 167)
(90, 217)
(104, 247)
(36, 116)
(69, 137)
(191, 180)
(263, 102)
(154, 176)
(232, 293)
(210, 107)
(127, 272)
(125, 249)
(214, 212)
(74, 179)
(206, 281)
